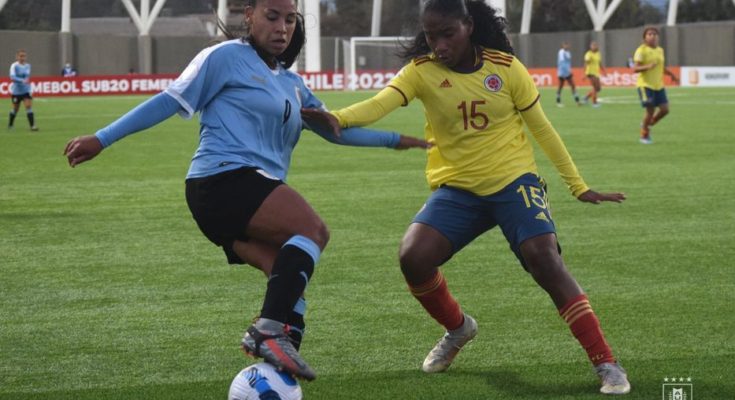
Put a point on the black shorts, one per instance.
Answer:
(17, 98)
(223, 204)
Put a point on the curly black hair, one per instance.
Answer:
(289, 56)
(489, 27)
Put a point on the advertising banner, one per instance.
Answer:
(45, 86)
(707, 76)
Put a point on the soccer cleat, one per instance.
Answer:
(613, 378)
(646, 135)
(596, 105)
(560, 105)
(276, 348)
(442, 355)
(34, 128)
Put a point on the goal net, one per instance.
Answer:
(370, 62)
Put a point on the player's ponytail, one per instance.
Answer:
(489, 28)
(289, 56)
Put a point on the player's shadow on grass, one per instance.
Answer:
(551, 387)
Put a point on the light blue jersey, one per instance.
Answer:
(20, 75)
(250, 114)
(564, 63)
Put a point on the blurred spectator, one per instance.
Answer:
(68, 71)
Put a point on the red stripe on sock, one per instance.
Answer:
(434, 296)
(586, 328)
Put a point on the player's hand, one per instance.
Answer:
(593, 197)
(410, 142)
(321, 119)
(81, 149)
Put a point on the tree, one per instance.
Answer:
(554, 16)
(705, 10)
(31, 16)
(353, 18)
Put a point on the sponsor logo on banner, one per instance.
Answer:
(708, 76)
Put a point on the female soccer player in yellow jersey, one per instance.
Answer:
(592, 68)
(649, 63)
(476, 97)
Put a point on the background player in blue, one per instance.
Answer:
(249, 106)
(20, 89)
(564, 73)
(68, 71)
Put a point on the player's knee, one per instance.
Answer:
(319, 234)
(407, 257)
(411, 258)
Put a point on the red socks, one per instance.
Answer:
(585, 326)
(434, 296)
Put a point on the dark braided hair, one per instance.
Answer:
(489, 28)
(289, 56)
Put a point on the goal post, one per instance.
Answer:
(372, 54)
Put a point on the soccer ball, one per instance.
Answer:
(262, 381)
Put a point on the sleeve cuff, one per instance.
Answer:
(576, 192)
(100, 135)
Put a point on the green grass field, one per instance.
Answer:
(109, 291)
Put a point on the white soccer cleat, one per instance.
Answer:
(613, 378)
(442, 355)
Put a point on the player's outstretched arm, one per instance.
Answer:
(410, 142)
(325, 125)
(81, 149)
(154, 110)
(593, 197)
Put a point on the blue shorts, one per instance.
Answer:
(652, 98)
(520, 209)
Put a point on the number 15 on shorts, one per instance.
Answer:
(533, 195)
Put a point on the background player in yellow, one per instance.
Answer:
(476, 98)
(650, 64)
(592, 68)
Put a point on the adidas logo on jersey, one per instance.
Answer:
(542, 216)
(445, 84)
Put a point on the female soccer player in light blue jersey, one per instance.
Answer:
(249, 105)
(20, 89)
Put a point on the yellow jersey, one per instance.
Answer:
(592, 61)
(473, 120)
(654, 77)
